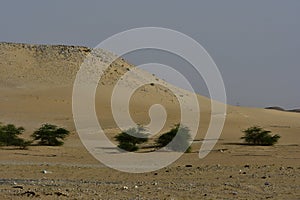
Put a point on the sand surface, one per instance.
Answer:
(36, 87)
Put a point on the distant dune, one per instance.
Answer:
(295, 110)
(282, 109)
(275, 108)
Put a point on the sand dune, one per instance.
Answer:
(36, 83)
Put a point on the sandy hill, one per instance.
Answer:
(38, 79)
(36, 86)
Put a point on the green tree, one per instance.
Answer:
(179, 143)
(50, 135)
(129, 139)
(258, 136)
(9, 136)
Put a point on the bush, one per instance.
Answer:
(50, 135)
(9, 136)
(129, 139)
(257, 136)
(180, 143)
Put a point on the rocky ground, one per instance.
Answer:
(186, 179)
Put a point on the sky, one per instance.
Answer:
(255, 44)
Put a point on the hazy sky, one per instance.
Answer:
(255, 44)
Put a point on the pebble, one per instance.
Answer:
(29, 193)
(61, 194)
(267, 183)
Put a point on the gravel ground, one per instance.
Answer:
(175, 182)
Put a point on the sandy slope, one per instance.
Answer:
(36, 87)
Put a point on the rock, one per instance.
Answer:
(267, 184)
(264, 177)
(18, 187)
(247, 166)
(234, 193)
(61, 194)
(136, 187)
(125, 188)
(29, 193)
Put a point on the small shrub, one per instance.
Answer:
(257, 136)
(50, 135)
(129, 139)
(180, 143)
(9, 136)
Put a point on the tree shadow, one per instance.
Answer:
(241, 144)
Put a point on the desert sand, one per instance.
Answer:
(36, 87)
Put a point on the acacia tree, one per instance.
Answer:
(50, 135)
(258, 136)
(177, 139)
(9, 136)
(129, 139)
